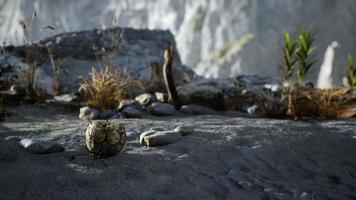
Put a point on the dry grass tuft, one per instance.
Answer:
(327, 103)
(107, 87)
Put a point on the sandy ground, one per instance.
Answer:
(226, 158)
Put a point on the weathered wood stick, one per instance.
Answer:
(173, 97)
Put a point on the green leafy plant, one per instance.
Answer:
(351, 73)
(305, 54)
(289, 49)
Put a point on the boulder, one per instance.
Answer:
(132, 112)
(161, 109)
(202, 93)
(139, 51)
(41, 146)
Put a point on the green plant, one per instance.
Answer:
(305, 54)
(351, 74)
(289, 49)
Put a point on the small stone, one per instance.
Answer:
(108, 114)
(13, 138)
(132, 112)
(66, 98)
(40, 146)
(88, 113)
(161, 109)
(161, 97)
(196, 109)
(184, 130)
(305, 195)
(252, 109)
(144, 134)
(158, 128)
(116, 116)
(162, 138)
(128, 103)
(145, 99)
(104, 138)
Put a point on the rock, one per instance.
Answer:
(161, 97)
(108, 114)
(275, 88)
(14, 94)
(252, 109)
(158, 128)
(138, 52)
(128, 102)
(13, 138)
(184, 130)
(162, 138)
(145, 99)
(196, 109)
(116, 116)
(202, 93)
(87, 113)
(161, 109)
(144, 134)
(104, 138)
(67, 98)
(40, 146)
(132, 112)
(305, 196)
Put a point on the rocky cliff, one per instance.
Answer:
(215, 37)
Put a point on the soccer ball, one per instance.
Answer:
(105, 139)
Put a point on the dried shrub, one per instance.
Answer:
(324, 103)
(106, 88)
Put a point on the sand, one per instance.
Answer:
(225, 158)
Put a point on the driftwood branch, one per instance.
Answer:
(173, 97)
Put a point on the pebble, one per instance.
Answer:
(41, 146)
(128, 103)
(145, 99)
(161, 109)
(144, 134)
(13, 138)
(88, 113)
(162, 138)
(66, 98)
(161, 97)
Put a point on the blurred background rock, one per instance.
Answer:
(216, 38)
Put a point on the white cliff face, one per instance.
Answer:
(215, 37)
(325, 80)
